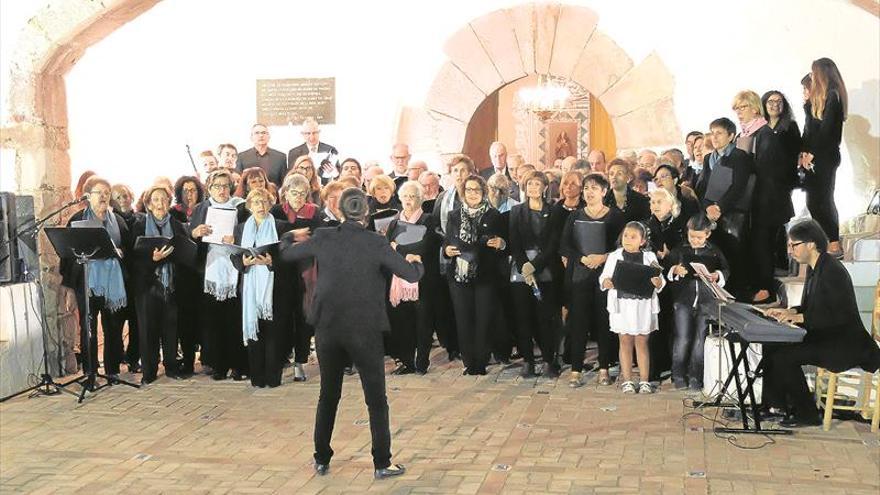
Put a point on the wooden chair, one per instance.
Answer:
(827, 382)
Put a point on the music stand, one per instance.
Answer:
(84, 245)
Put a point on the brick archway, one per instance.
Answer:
(49, 46)
(536, 38)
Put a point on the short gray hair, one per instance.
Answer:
(416, 188)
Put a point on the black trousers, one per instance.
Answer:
(300, 332)
(265, 355)
(731, 237)
(441, 313)
(474, 304)
(221, 336)
(157, 316)
(660, 342)
(411, 336)
(819, 187)
(763, 251)
(188, 334)
(503, 330)
(537, 321)
(111, 325)
(334, 352)
(588, 314)
(132, 352)
(784, 382)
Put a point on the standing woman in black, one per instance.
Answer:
(777, 146)
(300, 278)
(825, 112)
(535, 251)
(220, 311)
(474, 245)
(155, 278)
(106, 293)
(411, 329)
(261, 294)
(588, 311)
(122, 203)
(188, 192)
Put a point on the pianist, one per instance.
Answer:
(836, 339)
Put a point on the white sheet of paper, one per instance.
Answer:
(222, 222)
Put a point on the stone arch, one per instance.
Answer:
(541, 38)
(49, 46)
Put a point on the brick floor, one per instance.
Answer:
(456, 434)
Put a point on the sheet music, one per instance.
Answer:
(222, 222)
(717, 290)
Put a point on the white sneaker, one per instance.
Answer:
(628, 387)
(646, 388)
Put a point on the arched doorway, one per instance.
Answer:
(580, 126)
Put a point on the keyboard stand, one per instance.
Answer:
(744, 390)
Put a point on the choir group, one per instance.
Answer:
(540, 261)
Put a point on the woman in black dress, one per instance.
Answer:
(587, 310)
(826, 110)
(473, 244)
(776, 150)
(188, 192)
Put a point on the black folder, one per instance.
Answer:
(589, 237)
(185, 250)
(271, 249)
(406, 233)
(635, 278)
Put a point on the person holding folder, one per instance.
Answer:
(474, 245)
(590, 233)
(222, 346)
(261, 294)
(411, 331)
(107, 295)
(155, 274)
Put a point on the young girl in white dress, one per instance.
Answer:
(632, 317)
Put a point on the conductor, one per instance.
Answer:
(349, 315)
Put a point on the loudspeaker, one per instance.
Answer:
(18, 256)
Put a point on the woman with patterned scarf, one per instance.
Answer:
(262, 294)
(222, 347)
(106, 280)
(155, 274)
(473, 243)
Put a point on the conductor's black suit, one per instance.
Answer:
(349, 316)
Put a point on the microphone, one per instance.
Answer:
(80, 199)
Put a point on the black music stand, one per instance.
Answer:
(84, 245)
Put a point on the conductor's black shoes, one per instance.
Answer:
(321, 469)
(390, 471)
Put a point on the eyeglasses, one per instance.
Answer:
(774, 102)
(400, 157)
(792, 245)
(309, 133)
(100, 193)
(473, 190)
(295, 192)
(261, 132)
(222, 185)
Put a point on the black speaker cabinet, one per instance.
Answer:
(19, 261)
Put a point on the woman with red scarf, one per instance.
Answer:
(305, 217)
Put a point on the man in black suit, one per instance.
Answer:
(498, 156)
(261, 155)
(634, 205)
(400, 157)
(836, 338)
(349, 314)
(319, 151)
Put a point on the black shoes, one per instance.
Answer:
(528, 370)
(349, 371)
(238, 376)
(390, 471)
(321, 469)
(218, 376)
(792, 421)
(403, 370)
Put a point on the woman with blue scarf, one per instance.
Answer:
(106, 282)
(154, 275)
(220, 312)
(262, 327)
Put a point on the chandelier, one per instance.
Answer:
(549, 96)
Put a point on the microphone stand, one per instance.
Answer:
(47, 386)
(191, 161)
